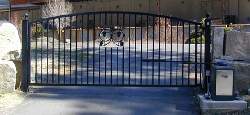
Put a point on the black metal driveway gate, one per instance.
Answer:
(115, 49)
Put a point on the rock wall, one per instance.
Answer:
(7, 76)
(10, 45)
(238, 45)
(10, 50)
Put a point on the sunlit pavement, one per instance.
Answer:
(107, 101)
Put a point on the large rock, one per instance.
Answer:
(7, 76)
(237, 45)
(10, 45)
(218, 38)
(242, 76)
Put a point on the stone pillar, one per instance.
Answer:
(218, 37)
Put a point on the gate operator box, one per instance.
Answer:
(222, 87)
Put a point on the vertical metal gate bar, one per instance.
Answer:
(201, 43)
(47, 79)
(189, 58)
(135, 48)
(165, 48)
(207, 51)
(36, 54)
(183, 42)
(64, 55)
(196, 53)
(105, 23)
(123, 65)
(171, 51)
(53, 50)
(82, 51)
(87, 49)
(76, 53)
(70, 50)
(177, 55)
(94, 38)
(99, 48)
(111, 50)
(41, 78)
(147, 50)
(141, 52)
(111, 64)
(117, 54)
(59, 49)
(129, 48)
(135, 65)
(153, 63)
(159, 52)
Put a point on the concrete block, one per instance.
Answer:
(209, 106)
(241, 75)
(237, 45)
(218, 38)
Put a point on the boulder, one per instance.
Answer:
(237, 45)
(10, 45)
(7, 76)
(242, 76)
(218, 38)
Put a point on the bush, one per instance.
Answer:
(227, 29)
(37, 31)
(199, 35)
(200, 38)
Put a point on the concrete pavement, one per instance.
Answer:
(107, 101)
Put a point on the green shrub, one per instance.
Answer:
(227, 29)
(200, 38)
(37, 31)
(199, 35)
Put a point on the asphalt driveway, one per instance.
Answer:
(107, 101)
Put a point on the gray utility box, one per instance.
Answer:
(222, 84)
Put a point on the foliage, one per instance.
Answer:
(56, 8)
(203, 23)
(227, 29)
(37, 31)
(197, 37)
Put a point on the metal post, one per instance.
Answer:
(10, 10)
(25, 54)
(207, 52)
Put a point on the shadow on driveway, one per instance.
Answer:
(107, 101)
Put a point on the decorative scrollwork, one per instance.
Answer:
(112, 35)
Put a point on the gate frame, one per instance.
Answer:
(208, 56)
(26, 57)
(26, 63)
